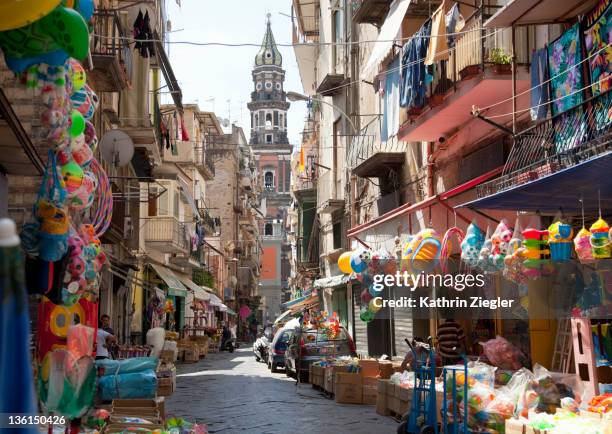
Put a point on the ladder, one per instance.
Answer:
(563, 351)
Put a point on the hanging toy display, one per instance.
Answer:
(447, 246)
(560, 241)
(535, 252)
(344, 263)
(357, 264)
(582, 245)
(472, 244)
(485, 259)
(421, 252)
(513, 261)
(499, 243)
(600, 239)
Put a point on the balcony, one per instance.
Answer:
(305, 21)
(210, 226)
(469, 78)
(305, 189)
(204, 163)
(370, 11)
(548, 158)
(110, 53)
(166, 235)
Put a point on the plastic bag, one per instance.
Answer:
(503, 354)
(127, 366)
(155, 339)
(395, 378)
(141, 385)
(545, 392)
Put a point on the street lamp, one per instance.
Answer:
(296, 96)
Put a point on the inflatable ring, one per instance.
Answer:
(19, 13)
(63, 317)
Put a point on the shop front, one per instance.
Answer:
(176, 293)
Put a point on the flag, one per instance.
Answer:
(302, 159)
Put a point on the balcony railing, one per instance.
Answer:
(110, 51)
(166, 233)
(563, 141)
(370, 11)
(203, 161)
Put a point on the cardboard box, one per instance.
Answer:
(369, 367)
(192, 354)
(381, 397)
(163, 382)
(329, 379)
(140, 403)
(348, 388)
(386, 369)
(404, 399)
(165, 390)
(369, 390)
(168, 356)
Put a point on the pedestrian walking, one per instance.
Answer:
(451, 341)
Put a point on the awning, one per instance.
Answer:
(169, 77)
(332, 282)
(302, 303)
(305, 55)
(230, 312)
(526, 12)
(175, 287)
(286, 315)
(215, 301)
(223, 308)
(561, 190)
(387, 35)
(198, 292)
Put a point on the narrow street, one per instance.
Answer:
(233, 393)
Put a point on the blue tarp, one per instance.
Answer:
(560, 190)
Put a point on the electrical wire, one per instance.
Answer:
(288, 45)
(480, 109)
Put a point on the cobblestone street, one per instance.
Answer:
(232, 393)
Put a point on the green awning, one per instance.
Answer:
(175, 287)
(231, 312)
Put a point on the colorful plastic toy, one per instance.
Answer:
(471, 244)
(600, 239)
(421, 252)
(560, 241)
(344, 263)
(499, 243)
(357, 265)
(535, 252)
(582, 245)
(447, 245)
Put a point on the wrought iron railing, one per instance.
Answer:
(201, 158)
(110, 38)
(563, 141)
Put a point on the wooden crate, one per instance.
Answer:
(381, 397)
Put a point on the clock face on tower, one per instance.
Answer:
(268, 85)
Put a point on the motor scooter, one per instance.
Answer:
(261, 348)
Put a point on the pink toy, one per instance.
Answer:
(503, 354)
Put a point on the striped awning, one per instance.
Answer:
(175, 287)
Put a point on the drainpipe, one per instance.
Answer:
(430, 169)
(513, 79)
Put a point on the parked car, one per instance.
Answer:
(309, 346)
(276, 354)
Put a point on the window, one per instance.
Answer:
(337, 38)
(268, 120)
(275, 118)
(163, 205)
(268, 229)
(281, 121)
(258, 86)
(268, 138)
(278, 86)
(268, 85)
(269, 180)
(262, 115)
(337, 230)
(256, 120)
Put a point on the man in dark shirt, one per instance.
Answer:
(105, 325)
(451, 341)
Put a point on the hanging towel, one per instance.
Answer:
(438, 47)
(184, 134)
(539, 91)
(454, 23)
(390, 125)
(412, 81)
(16, 378)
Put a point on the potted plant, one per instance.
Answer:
(501, 61)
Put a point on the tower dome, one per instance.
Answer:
(268, 53)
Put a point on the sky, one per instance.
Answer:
(211, 76)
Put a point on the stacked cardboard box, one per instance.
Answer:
(316, 375)
(348, 388)
(152, 410)
(166, 379)
(381, 397)
(369, 369)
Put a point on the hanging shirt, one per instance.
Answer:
(413, 73)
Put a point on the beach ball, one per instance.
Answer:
(77, 123)
(73, 175)
(374, 306)
(365, 296)
(366, 256)
(77, 75)
(356, 263)
(344, 263)
(366, 316)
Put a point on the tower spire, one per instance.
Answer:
(268, 53)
